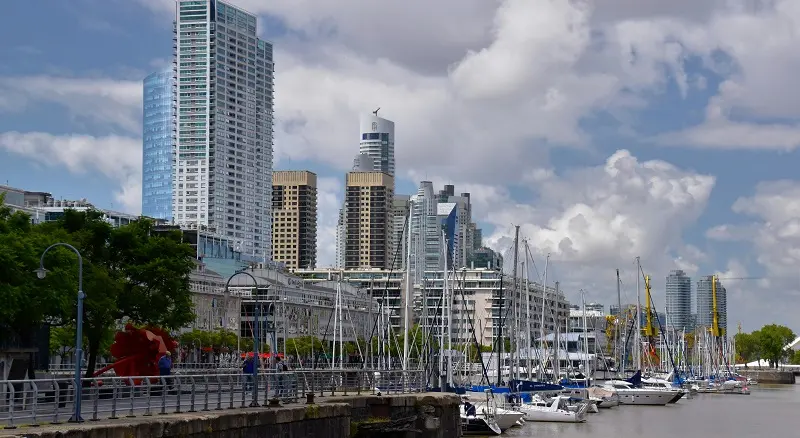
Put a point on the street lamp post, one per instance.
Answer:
(256, 357)
(41, 273)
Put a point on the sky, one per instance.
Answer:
(607, 131)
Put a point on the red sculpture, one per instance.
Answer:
(138, 350)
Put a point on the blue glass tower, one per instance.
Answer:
(157, 142)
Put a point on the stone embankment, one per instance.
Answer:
(395, 416)
(769, 376)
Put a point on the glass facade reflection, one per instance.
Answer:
(157, 150)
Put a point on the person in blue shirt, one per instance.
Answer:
(165, 368)
(247, 369)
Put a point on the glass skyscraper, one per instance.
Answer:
(679, 300)
(705, 304)
(223, 150)
(377, 141)
(157, 143)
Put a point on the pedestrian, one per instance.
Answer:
(247, 369)
(280, 379)
(165, 369)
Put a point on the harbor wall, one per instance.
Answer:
(432, 415)
(770, 376)
(395, 416)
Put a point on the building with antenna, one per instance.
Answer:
(377, 141)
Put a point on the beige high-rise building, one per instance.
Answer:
(368, 220)
(294, 218)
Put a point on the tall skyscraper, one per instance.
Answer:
(367, 215)
(705, 304)
(679, 300)
(447, 219)
(294, 218)
(398, 247)
(377, 141)
(158, 118)
(223, 150)
(426, 235)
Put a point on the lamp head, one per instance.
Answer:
(41, 273)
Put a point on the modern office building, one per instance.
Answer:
(367, 217)
(294, 218)
(223, 132)
(426, 235)
(398, 247)
(158, 120)
(705, 304)
(679, 300)
(377, 141)
(447, 219)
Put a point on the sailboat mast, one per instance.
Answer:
(528, 315)
(407, 304)
(540, 373)
(585, 341)
(618, 331)
(638, 317)
(515, 307)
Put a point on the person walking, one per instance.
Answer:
(247, 370)
(280, 379)
(165, 369)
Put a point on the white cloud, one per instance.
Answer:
(329, 201)
(117, 158)
(113, 103)
(774, 234)
(594, 220)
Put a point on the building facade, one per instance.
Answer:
(294, 218)
(224, 115)
(398, 247)
(368, 205)
(426, 237)
(679, 300)
(705, 304)
(478, 297)
(386, 286)
(158, 120)
(377, 141)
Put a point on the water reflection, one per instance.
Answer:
(765, 413)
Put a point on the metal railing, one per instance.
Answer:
(222, 367)
(50, 401)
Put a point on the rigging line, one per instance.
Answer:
(386, 287)
(530, 254)
(472, 327)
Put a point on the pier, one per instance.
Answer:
(39, 404)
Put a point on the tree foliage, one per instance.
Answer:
(28, 302)
(130, 273)
(748, 348)
(768, 344)
(772, 339)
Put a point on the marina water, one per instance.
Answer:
(769, 411)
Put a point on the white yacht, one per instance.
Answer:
(666, 385)
(554, 411)
(629, 395)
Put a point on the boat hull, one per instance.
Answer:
(644, 397)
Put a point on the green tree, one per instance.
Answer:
(747, 347)
(772, 339)
(795, 359)
(130, 273)
(303, 346)
(28, 302)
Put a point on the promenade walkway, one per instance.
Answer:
(47, 401)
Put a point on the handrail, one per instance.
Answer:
(50, 401)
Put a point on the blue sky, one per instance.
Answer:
(528, 120)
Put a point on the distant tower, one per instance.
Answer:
(377, 141)
(679, 300)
